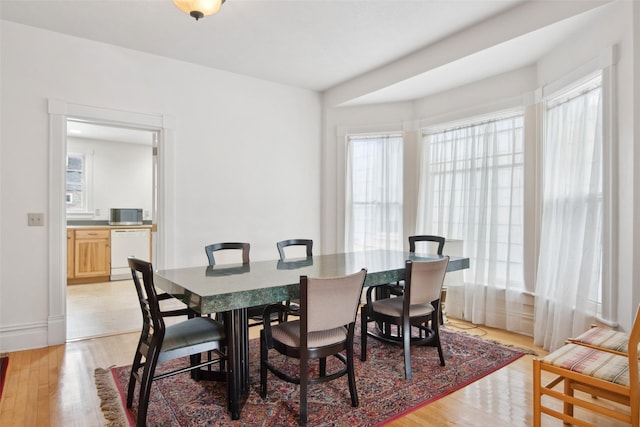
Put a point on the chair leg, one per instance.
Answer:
(568, 390)
(145, 388)
(195, 359)
(440, 354)
(363, 333)
(132, 379)
(323, 367)
(351, 375)
(537, 416)
(436, 332)
(304, 384)
(406, 339)
(263, 365)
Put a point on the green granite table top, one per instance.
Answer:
(232, 286)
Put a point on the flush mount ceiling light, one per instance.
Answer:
(199, 8)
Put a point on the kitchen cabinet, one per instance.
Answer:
(71, 242)
(91, 255)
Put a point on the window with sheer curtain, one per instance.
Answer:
(569, 275)
(471, 188)
(373, 217)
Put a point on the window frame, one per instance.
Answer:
(608, 311)
(477, 121)
(86, 208)
(349, 239)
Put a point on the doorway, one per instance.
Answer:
(59, 114)
(108, 167)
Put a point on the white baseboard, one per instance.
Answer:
(24, 337)
(455, 307)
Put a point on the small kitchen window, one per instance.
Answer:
(77, 194)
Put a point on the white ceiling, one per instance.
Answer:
(312, 44)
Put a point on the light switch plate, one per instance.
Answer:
(35, 219)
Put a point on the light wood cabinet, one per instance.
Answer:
(91, 257)
(71, 242)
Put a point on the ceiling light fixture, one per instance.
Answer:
(199, 8)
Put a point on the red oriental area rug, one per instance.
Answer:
(383, 392)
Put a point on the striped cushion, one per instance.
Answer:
(393, 307)
(288, 333)
(604, 338)
(594, 363)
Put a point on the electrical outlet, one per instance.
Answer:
(35, 219)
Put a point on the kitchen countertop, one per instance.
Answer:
(104, 224)
(110, 227)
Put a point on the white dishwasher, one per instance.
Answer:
(126, 242)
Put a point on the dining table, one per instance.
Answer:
(229, 289)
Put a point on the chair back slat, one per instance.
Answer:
(331, 302)
(214, 247)
(152, 320)
(307, 243)
(428, 239)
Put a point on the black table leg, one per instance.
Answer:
(237, 331)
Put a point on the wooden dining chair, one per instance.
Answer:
(418, 307)
(159, 343)
(307, 243)
(602, 338)
(427, 238)
(440, 241)
(281, 245)
(424, 240)
(254, 313)
(328, 308)
(598, 375)
(236, 246)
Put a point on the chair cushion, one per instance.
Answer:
(599, 364)
(288, 333)
(393, 307)
(604, 338)
(191, 332)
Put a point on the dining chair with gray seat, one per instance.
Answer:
(418, 308)
(325, 328)
(159, 343)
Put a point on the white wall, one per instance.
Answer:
(337, 122)
(120, 175)
(245, 156)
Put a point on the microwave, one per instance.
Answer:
(125, 216)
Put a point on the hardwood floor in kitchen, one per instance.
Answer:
(54, 386)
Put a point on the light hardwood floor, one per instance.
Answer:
(54, 386)
(102, 309)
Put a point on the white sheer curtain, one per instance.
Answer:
(569, 269)
(373, 217)
(471, 188)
